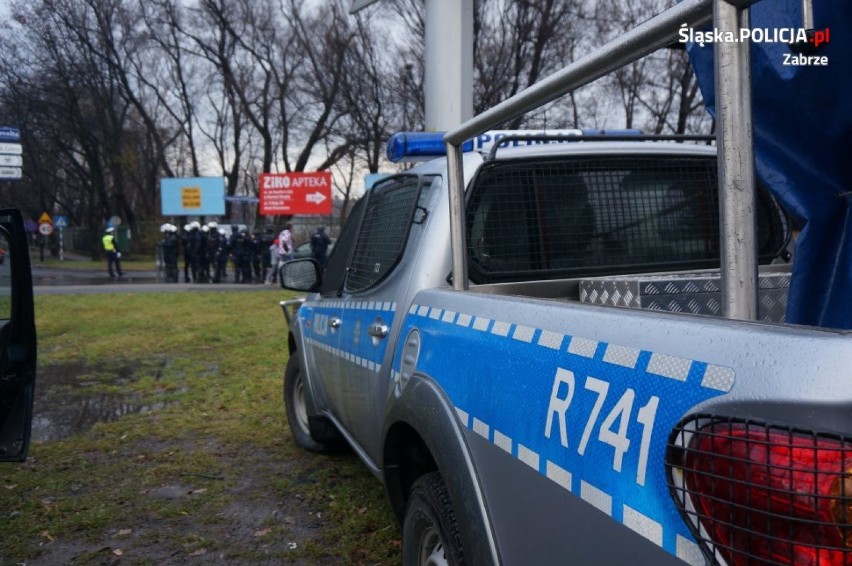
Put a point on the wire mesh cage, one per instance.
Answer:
(555, 217)
(384, 231)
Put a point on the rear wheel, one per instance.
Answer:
(296, 407)
(430, 533)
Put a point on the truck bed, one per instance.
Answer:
(694, 291)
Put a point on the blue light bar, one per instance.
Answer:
(418, 146)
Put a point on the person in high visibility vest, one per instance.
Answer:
(112, 254)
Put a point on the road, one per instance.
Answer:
(60, 281)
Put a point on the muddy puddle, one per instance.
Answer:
(70, 398)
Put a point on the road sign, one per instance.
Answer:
(44, 218)
(9, 134)
(11, 173)
(11, 148)
(295, 193)
(10, 153)
(192, 196)
(11, 160)
(60, 221)
(45, 229)
(244, 199)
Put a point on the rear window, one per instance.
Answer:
(555, 218)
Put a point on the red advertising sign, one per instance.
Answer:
(295, 193)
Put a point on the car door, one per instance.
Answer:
(375, 281)
(17, 339)
(322, 321)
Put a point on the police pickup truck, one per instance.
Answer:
(530, 349)
(516, 420)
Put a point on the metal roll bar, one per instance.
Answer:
(733, 113)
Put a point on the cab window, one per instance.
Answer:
(558, 218)
(387, 217)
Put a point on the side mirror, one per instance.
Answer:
(300, 275)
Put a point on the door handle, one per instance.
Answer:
(378, 330)
(334, 322)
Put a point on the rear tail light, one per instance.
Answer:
(759, 494)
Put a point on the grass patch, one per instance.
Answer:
(207, 470)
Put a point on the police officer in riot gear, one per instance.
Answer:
(240, 258)
(187, 253)
(266, 242)
(220, 257)
(170, 245)
(211, 246)
(256, 255)
(232, 246)
(319, 246)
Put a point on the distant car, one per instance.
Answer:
(303, 250)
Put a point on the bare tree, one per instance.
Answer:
(84, 114)
(114, 94)
(672, 99)
(169, 73)
(659, 92)
(325, 37)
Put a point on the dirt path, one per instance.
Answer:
(108, 482)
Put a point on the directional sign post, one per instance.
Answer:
(11, 160)
(61, 222)
(11, 151)
(45, 228)
(295, 193)
(10, 134)
(11, 173)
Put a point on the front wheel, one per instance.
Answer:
(430, 533)
(296, 407)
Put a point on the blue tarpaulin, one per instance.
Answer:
(803, 149)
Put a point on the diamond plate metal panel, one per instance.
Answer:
(697, 293)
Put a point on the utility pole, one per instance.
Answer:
(448, 60)
(449, 63)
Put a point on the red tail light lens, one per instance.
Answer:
(766, 495)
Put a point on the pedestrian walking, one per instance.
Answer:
(285, 244)
(113, 256)
(273, 259)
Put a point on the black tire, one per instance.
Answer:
(296, 409)
(430, 533)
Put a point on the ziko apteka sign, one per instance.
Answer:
(295, 193)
